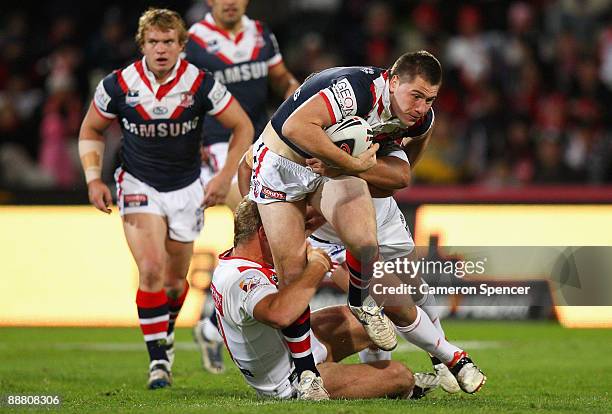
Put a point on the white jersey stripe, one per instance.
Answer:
(275, 60)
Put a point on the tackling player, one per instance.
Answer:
(160, 102)
(251, 311)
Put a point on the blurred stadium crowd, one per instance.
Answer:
(526, 97)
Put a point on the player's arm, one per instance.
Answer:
(282, 81)
(414, 148)
(389, 174)
(91, 152)
(418, 138)
(305, 128)
(244, 171)
(235, 119)
(282, 308)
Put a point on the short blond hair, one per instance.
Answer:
(246, 221)
(163, 19)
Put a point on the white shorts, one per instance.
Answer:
(217, 156)
(394, 238)
(181, 208)
(275, 178)
(289, 388)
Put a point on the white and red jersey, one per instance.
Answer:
(161, 123)
(259, 351)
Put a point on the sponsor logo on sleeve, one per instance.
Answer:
(132, 98)
(217, 93)
(345, 96)
(102, 98)
(213, 46)
(250, 282)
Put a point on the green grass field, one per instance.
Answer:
(531, 367)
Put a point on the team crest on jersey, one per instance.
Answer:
(132, 97)
(213, 46)
(187, 100)
(259, 41)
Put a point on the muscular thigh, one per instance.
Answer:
(146, 235)
(284, 226)
(346, 204)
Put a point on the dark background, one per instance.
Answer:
(525, 102)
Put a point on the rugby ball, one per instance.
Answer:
(352, 135)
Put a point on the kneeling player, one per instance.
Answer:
(251, 312)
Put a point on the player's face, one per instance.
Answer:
(410, 100)
(228, 12)
(161, 50)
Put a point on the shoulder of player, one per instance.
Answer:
(114, 82)
(193, 72)
(364, 73)
(199, 28)
(243, 279)
(362, 78)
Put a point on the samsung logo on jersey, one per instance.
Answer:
(242, 73)
(162, 129)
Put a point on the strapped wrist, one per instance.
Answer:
(91, 153)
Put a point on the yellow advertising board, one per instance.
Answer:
(523, 225)
(72, 266)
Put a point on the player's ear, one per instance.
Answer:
(261, 233)
(393, 83)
